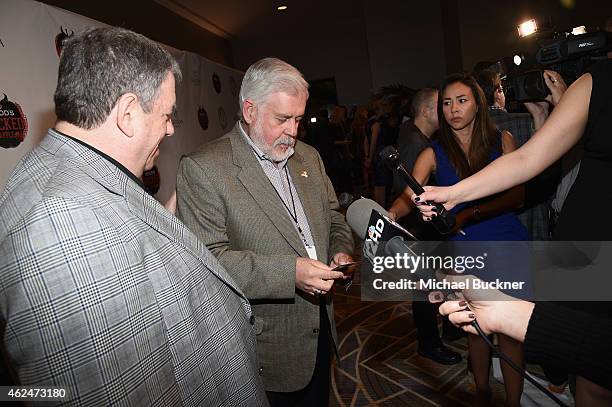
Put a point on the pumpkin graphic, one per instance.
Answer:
(203, 118)
(216, 83)
(13, 124)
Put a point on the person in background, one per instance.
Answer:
(467, 141)
(341, 158)
(414, 136)
(383, 131)
(357, 146)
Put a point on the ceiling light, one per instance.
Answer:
(281, 8)
(527, 28)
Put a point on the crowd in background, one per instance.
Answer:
(349, 140)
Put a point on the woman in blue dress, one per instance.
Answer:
(468, 141)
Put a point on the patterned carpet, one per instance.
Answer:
(379, 364)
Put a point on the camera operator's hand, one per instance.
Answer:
(539, 112)
(557, 86)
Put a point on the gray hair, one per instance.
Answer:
(420, 99)
(271, 75)
(100, 65)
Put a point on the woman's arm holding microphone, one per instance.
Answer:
(424, 166)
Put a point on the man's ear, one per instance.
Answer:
(424, 112)
(128, 108)
(248, 111)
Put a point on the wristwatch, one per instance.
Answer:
(476, 213)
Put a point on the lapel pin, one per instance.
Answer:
(304, 174)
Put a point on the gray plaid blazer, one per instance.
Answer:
(106, 294)
(225, 197)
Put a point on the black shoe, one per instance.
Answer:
(451, 335)
(440, 354)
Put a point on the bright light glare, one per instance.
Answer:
(517, 60)
(579, 30)
(313, 120)
(527, 28)
(281, 8)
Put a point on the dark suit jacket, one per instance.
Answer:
(106, 294)
(225, 197)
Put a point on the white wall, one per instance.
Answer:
(28, 76)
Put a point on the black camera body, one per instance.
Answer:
(570, 56)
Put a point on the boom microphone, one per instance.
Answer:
(444, 222)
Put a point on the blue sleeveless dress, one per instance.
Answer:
(505, 262)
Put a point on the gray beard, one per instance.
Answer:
(258, 140)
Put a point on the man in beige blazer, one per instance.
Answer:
(263, 204)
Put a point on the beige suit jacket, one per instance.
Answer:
(225, 197)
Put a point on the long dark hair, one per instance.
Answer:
(484, 136)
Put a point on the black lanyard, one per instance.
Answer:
(294, 213)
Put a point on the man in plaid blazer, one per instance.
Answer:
(265, 207)
(103, 292)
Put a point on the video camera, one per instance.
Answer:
(568, 53)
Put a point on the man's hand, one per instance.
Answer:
(314, 277)
(340, 259)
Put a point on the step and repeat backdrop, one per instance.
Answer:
(31, 38)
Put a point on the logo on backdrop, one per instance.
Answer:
(216, 83)
(203, 118)
(233, 86)
(1, 43)
(195, 78)
(222, 118)
(61, 38)
(177, 122)
(13, 124)
(151, 180)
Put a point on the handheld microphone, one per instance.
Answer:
(370, 221)
(445, 221)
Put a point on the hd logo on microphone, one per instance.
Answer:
(375, 231)
(370, 245)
